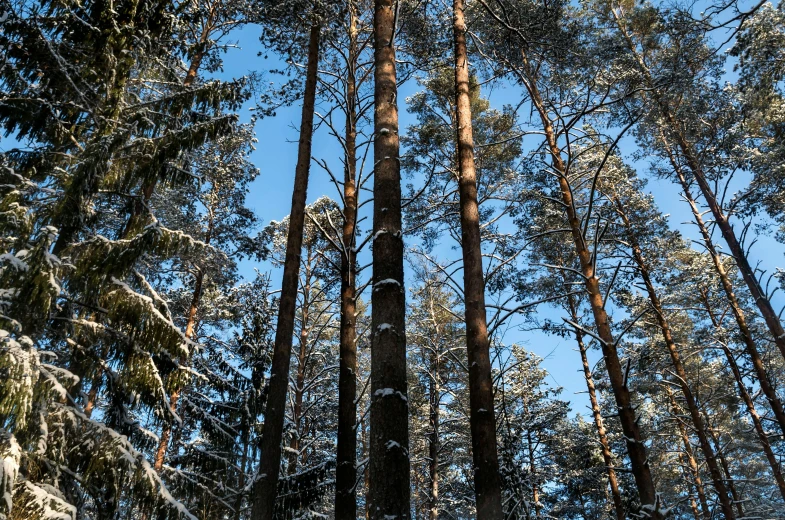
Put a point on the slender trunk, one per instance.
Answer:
(757, 423)
(690, 455)
(302, 359)
(487, 482)
(681, 373)
(238, 503)
(434, 391)
(726, 470)
(532, 468)
(693, 504)
(607, 455)
(346, 452)
(270, 463)
(759, 296)
(297, 419)
(741, 320)
(650, 500)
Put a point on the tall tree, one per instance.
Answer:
(482, 420)
(266, 486)
(389, 492)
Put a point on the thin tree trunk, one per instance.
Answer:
(434, 391)
(726, 470)
(737, 251)
(294, 456)
(650, 500)
(487, 482)
(346, 452)
(532, 468)
(190, 328)
(681, 373)
(607, 455)
(270, 463)
(693, 503)
(688, 452)
(757, 423)
(238, 503)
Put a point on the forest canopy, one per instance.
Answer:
(543, 282)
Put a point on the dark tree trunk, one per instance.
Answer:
(346, 468)
(270, 463)
(487, 482)
(389, 493)
(690, 455)
(434, 398)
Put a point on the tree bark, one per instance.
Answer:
(605, 448)
(389, 493)
(270, 463)
(482, 420)
(681, 373)
(346, 453)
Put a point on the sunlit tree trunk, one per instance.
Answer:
(607, 455)
(346, 469)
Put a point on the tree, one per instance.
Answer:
(267, 484)
(389, 494)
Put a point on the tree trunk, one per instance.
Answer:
(681, 374)
(487, 482)
(434, 391)
(737, 251)
(726, 470)
(693, 504)
(688, 452)
(650, 501)
(270, 463)
(607, 455)
(346, 453)
(389, 493)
